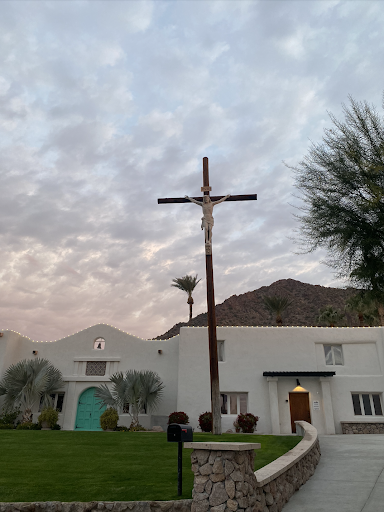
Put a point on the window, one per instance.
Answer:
(99, 344)
(333, 354)
(126, 409)
(220, 350)
(57, 402)
(367, 404)
(233, 403)
(96, 368)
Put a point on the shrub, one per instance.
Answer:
(109, 419)
(246, 422)
(6, 426)
(178, 417)
(136, 427)
(56, 427)
(9, 417)
(28, 426)
(48, 415)
(205, 421)
(122, 428)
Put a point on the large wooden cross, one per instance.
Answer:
(214, 366)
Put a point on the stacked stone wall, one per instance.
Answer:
(272, 496)
(224, 481)
(99, 506)
(362, 428)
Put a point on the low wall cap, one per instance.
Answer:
(234, 447)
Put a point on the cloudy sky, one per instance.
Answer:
(106, 106)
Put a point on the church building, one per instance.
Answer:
(330, 377)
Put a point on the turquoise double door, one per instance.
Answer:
(88, 411)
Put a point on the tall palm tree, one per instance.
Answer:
(364, 307)
(139, 389)
(276, 305)
(186, 284)
(329, 315)
(28, 382)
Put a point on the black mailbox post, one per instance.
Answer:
(179, 434)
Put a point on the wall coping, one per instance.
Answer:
(282, 464)
(362, 422)
(234, 447)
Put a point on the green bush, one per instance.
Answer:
(178, 417)
(136, 428)
(246, 422)
(25, 426)
(205, 421)
(48, 415)
(9, 417)
(122, 428)
(56, 427)
(6, 426)
(109, 419)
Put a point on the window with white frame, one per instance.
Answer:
(367, 404)
(333, 355)
(233, 403)
(220, 350)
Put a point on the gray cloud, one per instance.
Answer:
(106, 106)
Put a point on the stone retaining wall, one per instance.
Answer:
(99, 506)
(354, 427)
(280, 479)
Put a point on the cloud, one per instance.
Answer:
(106, 106)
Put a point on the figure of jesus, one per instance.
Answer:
(207, 218)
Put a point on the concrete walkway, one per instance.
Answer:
(349, 477)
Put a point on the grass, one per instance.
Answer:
(115, 466)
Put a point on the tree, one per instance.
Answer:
(276, 305)
(29, 382)
(341, 184)
(138, 389)
(187, 284)
(329, 315)
(364, 308)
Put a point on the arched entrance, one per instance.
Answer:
(88, 411)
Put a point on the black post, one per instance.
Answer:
(180, 469)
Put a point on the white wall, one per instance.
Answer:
(249, 351)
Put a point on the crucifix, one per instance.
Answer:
(207, 203)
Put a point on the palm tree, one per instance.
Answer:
(276, 305)
(329, 315)
(28, 382)
(365, 309)
(139, 389)
(187, 284)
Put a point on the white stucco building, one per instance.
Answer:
(281, 374)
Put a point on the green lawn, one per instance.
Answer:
(111, 466)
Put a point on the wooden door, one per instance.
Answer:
(299, 406)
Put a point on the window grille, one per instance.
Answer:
(96, 368)
(367, 404)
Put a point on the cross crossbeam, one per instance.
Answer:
(207, 204)
(244, 197)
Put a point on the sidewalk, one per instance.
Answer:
(349, 477)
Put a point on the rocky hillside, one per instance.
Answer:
(248, 308)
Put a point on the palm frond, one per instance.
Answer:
(186, 283)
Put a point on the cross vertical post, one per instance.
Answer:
(212, 336)
(207, 225)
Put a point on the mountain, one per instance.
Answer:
(248, 308)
